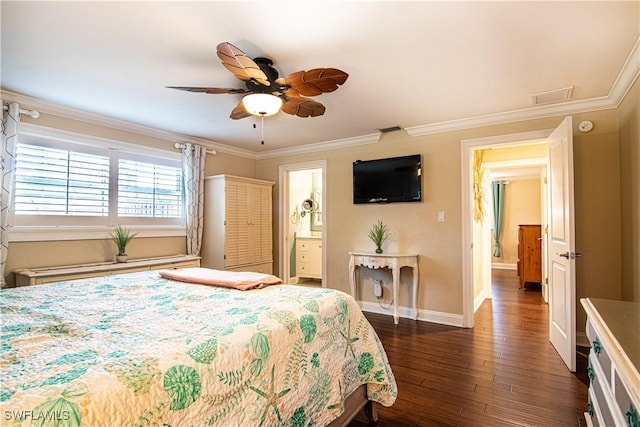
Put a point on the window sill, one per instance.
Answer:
(40, 234)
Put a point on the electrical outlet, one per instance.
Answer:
(377, 288)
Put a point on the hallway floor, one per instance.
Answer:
(503, 372)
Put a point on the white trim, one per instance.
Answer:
(467, 145)
(41, 234)
(123, 125)
(629, 73)
(283, 197)
(39, 131)
(439, 317)
(477, 302)
(373, 138)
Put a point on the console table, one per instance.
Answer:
(394, 262)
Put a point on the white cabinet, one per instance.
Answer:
(309, 257)
(614, 362)
(237, 231)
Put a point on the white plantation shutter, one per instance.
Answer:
(71, 181)
(149, 190)
(52, 181)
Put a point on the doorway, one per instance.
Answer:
(302, 226)
(561, 231)
(476, 258)
(525, 204)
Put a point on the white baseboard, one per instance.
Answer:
(407, 313)
(477, 302)
(504, 266)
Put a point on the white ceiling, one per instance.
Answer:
(412, 64)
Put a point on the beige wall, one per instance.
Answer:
(629, 116)
(67, 252)
(414, 225)
(522, 205)
(600, 172)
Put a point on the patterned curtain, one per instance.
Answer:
(497, 188)
(10, 123)
(193, 164)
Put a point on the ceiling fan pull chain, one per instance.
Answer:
(262, 130)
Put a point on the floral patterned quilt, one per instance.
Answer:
(139, 350)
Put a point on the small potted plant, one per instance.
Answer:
(378, 233)
(121, 237)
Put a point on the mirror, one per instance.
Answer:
(316, 214)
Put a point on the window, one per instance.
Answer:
(52, 181)
(149, 190)
(74, 181)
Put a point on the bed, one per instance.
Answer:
(141, 350)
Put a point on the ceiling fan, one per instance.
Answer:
(262, 83)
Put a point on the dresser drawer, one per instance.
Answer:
(592, 416)
(302, 269)
(624, 402)
(600, 352)
(601, 392)
(303, 245)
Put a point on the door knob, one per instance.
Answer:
(570, 255)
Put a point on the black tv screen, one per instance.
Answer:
(396, 179)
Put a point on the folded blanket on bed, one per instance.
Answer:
(241, 280)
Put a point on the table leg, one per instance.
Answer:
(415, 291)
(395, 273)
(352, 278)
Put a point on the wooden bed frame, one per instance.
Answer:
(353, 404)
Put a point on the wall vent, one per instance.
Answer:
(390, 129)
(550, 96)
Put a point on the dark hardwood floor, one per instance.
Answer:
(503, 372)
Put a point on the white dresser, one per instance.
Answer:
(309, 257)
(613, 330)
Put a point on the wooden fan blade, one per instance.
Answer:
(302, 107)
(239, 112)
(240, 64)
(314, 82)
(214, 90)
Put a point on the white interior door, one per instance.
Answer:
(562, 277)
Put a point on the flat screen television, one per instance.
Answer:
(391, 180)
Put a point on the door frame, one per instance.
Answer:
(467, 147)
(285, 215)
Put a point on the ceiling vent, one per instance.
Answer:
(390, 129)
(550, 96)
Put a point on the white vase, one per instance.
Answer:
(121, 258)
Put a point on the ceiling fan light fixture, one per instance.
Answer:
(262, 104)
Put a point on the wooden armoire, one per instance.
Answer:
(529, 254)
(237, 231)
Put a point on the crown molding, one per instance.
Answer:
(372, 138)
(122, 125)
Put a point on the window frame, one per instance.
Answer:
(83, 228)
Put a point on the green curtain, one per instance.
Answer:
(497, 190)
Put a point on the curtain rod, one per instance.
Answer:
(31, 113)
(179, 146)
